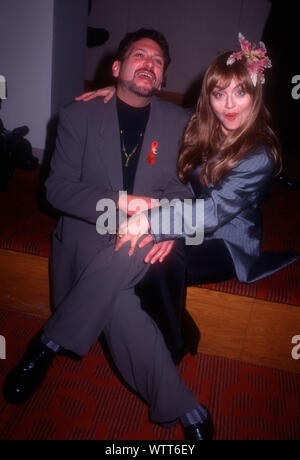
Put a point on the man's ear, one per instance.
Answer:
(116, 68)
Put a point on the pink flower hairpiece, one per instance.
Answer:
(257, 60)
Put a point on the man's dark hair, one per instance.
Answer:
(132, 37)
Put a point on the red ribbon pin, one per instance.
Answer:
(153, 152)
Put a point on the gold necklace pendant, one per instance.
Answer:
(128, 156)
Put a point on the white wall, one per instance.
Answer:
(197, 30)
(69, 47)
(25, 60)
(42, 48)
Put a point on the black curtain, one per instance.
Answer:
(281, 37)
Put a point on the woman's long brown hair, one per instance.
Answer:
(204, 142)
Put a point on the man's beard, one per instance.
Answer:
(139, 91)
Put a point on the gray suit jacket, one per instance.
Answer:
(232, 213)
(86, 167)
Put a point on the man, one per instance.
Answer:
(128, 144)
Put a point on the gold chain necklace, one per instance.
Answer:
(128, 156)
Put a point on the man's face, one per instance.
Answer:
(141, 72)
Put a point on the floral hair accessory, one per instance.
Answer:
(257, 60)
(153, 152)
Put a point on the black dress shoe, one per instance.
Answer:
(202, 431)
(27, 376)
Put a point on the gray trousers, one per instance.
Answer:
(104, 300)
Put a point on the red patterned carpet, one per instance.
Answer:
(84, 400)
(25, 220)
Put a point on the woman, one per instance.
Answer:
(229, 154)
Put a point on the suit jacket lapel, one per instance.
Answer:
(109, 145)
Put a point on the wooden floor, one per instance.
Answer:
(232, 326)
(245, 328)
(24, 283)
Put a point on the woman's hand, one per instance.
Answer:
(106, 92)
(131, 231)
(158, 252)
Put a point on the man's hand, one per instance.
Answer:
(131, 231)
(158, 252)
(131, 204)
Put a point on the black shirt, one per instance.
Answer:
(132, 122)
